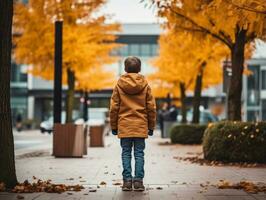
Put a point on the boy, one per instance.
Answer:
(132, 114)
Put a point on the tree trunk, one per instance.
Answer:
(197, 95)
(235, 88)
(7, 162)
(183, 102)
(85, 106)
(70, 95)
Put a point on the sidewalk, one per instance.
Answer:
(166, 177)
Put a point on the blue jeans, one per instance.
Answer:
(139, 146)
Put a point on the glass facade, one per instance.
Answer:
(145, 51)
(141, 50)
(253, 86)
(255, 97)
(19, 91)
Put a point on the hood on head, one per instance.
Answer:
(132, 83)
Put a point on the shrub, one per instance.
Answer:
(235, 142)
(187, 133)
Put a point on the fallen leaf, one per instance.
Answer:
(102, 183)
(117, 183)
(247, 186)
(44, 186)
(20, 197)
(94, 190)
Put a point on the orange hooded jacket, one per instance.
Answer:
(132, 107)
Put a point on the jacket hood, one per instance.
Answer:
(132, 83)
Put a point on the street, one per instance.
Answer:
(33, 140)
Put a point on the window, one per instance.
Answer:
(253, 93)
(253, 115)
(263, 108)
(123, 51)
(134, 50)
(263, 79)
(154, 50)
(17, 73)
(145, 50)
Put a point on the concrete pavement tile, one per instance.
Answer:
(222, 192)
(230, 198)
(131, 195)
(259, 196)
(63, 196)
(13, 196)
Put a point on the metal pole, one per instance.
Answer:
(58, 72)
(85, 106)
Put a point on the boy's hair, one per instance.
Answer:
(132, 64)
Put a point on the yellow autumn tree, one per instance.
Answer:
(235, 23)
(186, 63)
(87, 42)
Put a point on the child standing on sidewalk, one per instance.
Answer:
(132, 114)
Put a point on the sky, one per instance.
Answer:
(129, 11)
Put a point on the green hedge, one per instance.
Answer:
(187, 133)
(235, 142)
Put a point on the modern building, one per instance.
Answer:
(33, 96)
(254, 91)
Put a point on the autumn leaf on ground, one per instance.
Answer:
(102, 183)
(93, 190)
(117, 183)
(247, 186)
(45, 186)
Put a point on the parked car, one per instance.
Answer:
(205, 117)
(96, 116)
(47, 125)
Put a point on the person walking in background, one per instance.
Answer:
(132, 118)
(161, 115)
(19, 122)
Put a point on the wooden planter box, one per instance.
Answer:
(69, 140)
(96, 136)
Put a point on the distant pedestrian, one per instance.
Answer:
(133, 116)
(173, 112)
(161, 115)
(19, 122)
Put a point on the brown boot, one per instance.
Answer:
(127, 185)
(138, 185)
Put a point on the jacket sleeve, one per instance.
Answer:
(114, 109)
(151, 109)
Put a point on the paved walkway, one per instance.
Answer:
(166, 177)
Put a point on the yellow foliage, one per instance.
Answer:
(180, 59)
(220, 19)
(87, 40)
